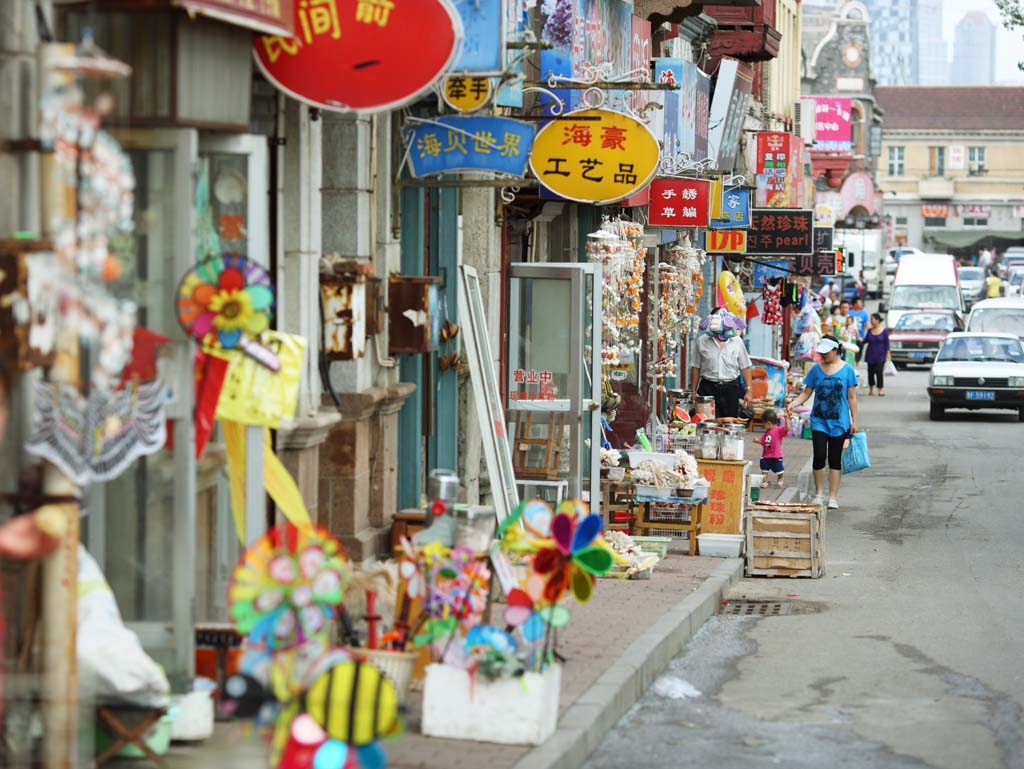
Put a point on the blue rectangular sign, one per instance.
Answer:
(470, 143)
(764, 270)
(483, 42)
(736, 210)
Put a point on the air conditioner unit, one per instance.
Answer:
(805, 112)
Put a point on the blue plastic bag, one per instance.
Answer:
(856, 457)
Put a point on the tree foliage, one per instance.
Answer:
(1013, 17)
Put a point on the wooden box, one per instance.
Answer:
(785, 541)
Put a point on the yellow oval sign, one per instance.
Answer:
(464, 93)
(595, 156)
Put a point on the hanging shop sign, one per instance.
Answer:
(354, 55)
(833, 128)
(780, 232)
(467, 143)
(984, 212)
(510, 90)
(816, 264)
(666, 123)
(703, 108)
(957, 157)
(272, 17)
(483, 45)
(734, 209)
(765, 271)
(935, 210)
(595, 156)
(466, 94)
(823, 237)
(679, 203)
(728, 108)
(779, 169)
(726, 241)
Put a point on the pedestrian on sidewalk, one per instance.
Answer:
(720, 361)
(833, 383)
(863, 321)
(877, 354)
(771, 448)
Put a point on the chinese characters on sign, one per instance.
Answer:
(523, 380)
(816, 264)
(780, 231)
(457, 143)
(735, 210)
(823, 239)
(779, 170)
(466, 94)
(594, 156)
(353, 55)
(678, 203)
(832, 124)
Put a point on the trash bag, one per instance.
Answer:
(855, 457)
(890, 368)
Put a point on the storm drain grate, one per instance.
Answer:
(744, 608)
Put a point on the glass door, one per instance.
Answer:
(554, 384)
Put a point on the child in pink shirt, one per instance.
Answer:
(771, 455)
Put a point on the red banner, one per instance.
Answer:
(679, 203)
(362, 55)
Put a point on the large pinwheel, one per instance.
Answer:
(572, 561)
(527, 613)
(287, 585)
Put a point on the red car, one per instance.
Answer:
(918, 335)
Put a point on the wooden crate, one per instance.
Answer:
(785, 541)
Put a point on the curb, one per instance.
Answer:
(586, 722)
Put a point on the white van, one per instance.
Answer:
(925, 281)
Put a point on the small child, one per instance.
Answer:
(771, 442)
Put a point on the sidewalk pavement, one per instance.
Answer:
(615, 647)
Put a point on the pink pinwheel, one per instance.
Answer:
(573, 561)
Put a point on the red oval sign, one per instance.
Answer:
(362, 55)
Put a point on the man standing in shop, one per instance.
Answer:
(720, 358)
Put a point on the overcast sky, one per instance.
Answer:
(1009, 45)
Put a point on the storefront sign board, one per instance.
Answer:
(271, 17)
(823, 239)
(764, 271)
(735, 210)
(701, 113)
(666, 122)
(466, 93)
(726, 241)
(780, 231)
(470, 143)
(355, 55)
(510, 92)
(832, 123)
(483, 44)
(679, 203)
(816, 264)
(728, 109)
(595, 156)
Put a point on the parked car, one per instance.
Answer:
(849, 287)
(1004, 315)
(918, 335)
(978, 371)
(1015, 282)
(972, 284)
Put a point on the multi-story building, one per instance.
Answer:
(951, 169)
(932, 48)
(974, 51)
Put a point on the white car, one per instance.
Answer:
(978, 371)
(1004, 315)
(1015, 282)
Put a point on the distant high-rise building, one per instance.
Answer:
(974, 51)
(932, 49)
(894, 41)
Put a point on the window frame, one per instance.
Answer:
(937, 160)
(896, 160)
(976, 160)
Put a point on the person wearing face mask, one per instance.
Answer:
(720, 359)
(833, 383)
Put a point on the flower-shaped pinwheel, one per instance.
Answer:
(572, 561)
(526, 612)
(225, 301)
(287, 585)
(491, 651)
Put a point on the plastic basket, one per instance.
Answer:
(396, 665)
(658, 545)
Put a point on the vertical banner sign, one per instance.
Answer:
(728, 108)
(679, 203)
(726, 241)
(354, 55)
(773, 160)
(640, 59)
(735, 210)
(510, 92)
(701, 115)
(595, 156)
(688, 102)
(780, 232)
(834, 131)
(483, 44)
(667, 123)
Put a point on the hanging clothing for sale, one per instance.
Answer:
(772, 296)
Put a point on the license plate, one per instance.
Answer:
(918, 355)
(980, 395)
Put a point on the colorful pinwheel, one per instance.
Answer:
(573, 560)
(524, 608)
(287, 585)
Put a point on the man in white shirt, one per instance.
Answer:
(719, 360)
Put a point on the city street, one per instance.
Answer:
(906, 654)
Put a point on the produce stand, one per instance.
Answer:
(785, 540)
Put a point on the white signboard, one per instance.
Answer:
(957, 157)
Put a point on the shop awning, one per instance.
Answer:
(954, 238)
(268, 17)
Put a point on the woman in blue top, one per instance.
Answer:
(833, 383)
